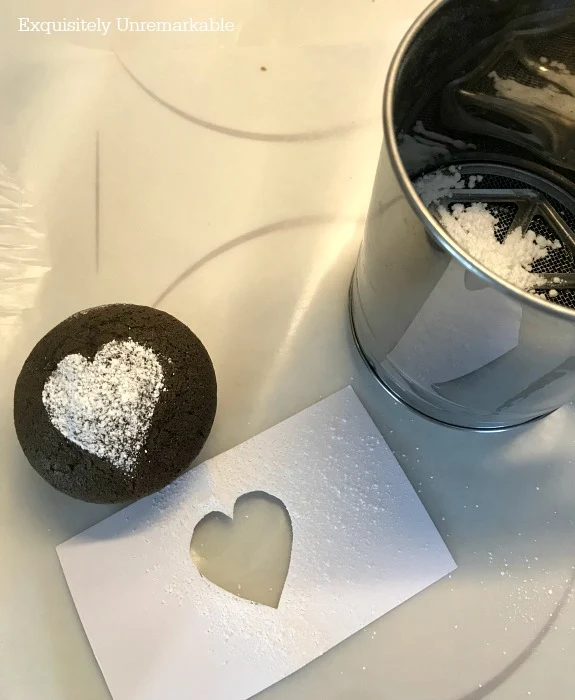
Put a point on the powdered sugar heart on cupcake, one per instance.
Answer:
(105, 406)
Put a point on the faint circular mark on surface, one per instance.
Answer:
(493, 683)
(296, 136)
(285, 225)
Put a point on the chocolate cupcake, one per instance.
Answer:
(115, 402)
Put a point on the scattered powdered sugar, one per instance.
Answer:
(434, 186)
(422, 147)
(106, 406)
(419, 128)
(550, 97)
(473, 227)
(418, 152)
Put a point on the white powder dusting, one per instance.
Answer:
(473, 227)
(549, 98)
(419, 128)
(325, 597)
(434, 186)
(417, 152)
(423, 148)
(106, 406)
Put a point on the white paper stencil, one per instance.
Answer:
(362, 544)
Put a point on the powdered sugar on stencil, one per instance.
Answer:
(106, 406)
(361, 544)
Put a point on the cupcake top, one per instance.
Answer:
(115, 402)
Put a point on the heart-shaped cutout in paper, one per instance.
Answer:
(106, 406)
(248, 556)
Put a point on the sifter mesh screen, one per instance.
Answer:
(505, 189)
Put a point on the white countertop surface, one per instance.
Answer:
(233, 197)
